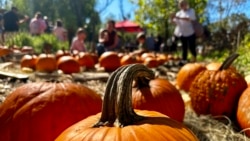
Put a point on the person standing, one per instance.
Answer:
(111, 43)
(158, 42)
(48, 26)
(78, 42)
(37, 24)
(59, 31)
(184, 30)
(11, 21)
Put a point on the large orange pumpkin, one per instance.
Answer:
(119, 122)
(243, 111)
(46, 63)
(85, 59)
(217, 92)
(187, 74)
(41, 111)
(159, 95)
(29, 61)
(68, 64)
(109, 61)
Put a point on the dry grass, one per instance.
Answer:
(208, 128)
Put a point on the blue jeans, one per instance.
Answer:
(100, 48)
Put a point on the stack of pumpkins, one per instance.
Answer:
(110, 61)
(54, 111)
(217, 89)
(62, 60)
(71, 63)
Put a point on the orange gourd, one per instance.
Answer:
(85, 60)
(243, 111)
(146, 55)
(151, 62)
(217, 92)
(4, 50)
(41, 111)
(46, 63)
(127, 59)
(109, 61)
(62, 52)
(187, 74)
(28, 61)
(161, 58)
(119, 122)
(154, 94)
(68, 64)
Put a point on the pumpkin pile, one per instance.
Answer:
(62, 60)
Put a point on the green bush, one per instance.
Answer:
(242, 63)
(37, 42)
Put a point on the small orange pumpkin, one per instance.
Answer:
(68, 64)
(109, 61)
(4, 50)
(118, 120)
(62, 52)
(146, 55)
(128, 59)
(85, 60)
(29, 61)
(154, 94)
(161, 58)
(187, 74)
(46, 63)
(151, 62)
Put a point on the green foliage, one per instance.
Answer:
(154, 14)
(243, 62)
(73, 13)
(37, 42)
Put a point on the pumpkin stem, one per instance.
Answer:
(117, 105)
(142, 82)
(227, 63)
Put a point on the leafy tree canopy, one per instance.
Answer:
(154, 14)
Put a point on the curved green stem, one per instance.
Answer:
(117, 105)
(227, 63)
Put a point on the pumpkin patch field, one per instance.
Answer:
(80, 96)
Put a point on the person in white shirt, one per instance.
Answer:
(184, 30)
(59, 31)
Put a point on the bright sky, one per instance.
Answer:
(113, 11)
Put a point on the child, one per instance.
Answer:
(59, 31)
(78, 42)
(141, 38)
